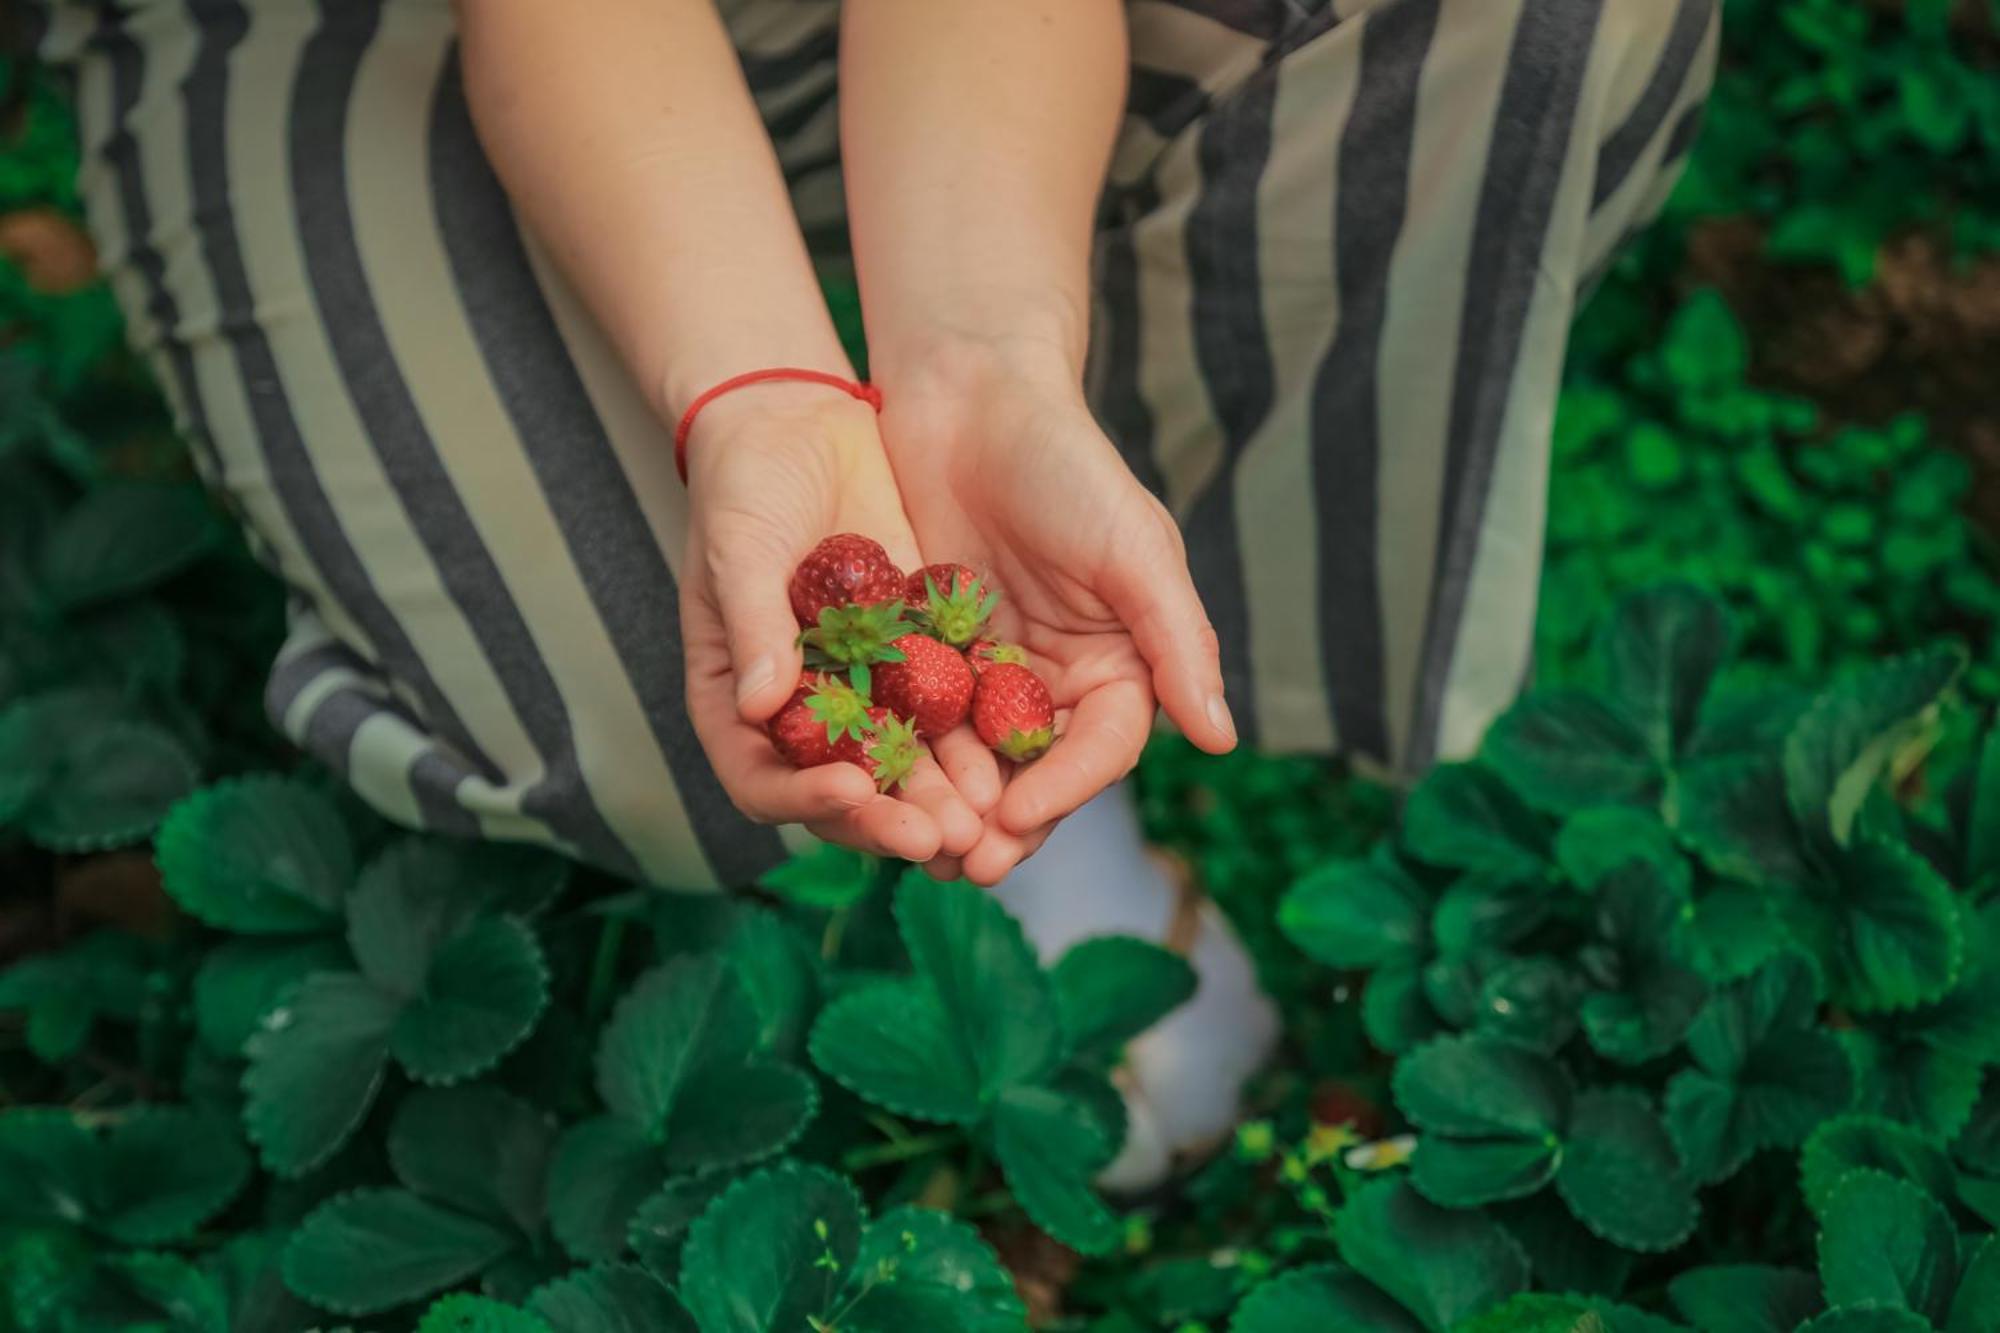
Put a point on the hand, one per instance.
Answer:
(772, 470)
(1002, 467)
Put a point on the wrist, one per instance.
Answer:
(779, 424)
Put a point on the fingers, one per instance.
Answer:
(1153, 594)
(884, 826)
(931, 791)
(1106, 731)
(750, 571)
(970, 766)
(997, 853)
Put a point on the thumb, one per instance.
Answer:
(748, 575)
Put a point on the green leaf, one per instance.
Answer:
(1852, 1143)
(242, 981)
(1492, 1115)
(121, 539)
(1885, 1240)
(1112, 988)
(1537, 1313)
(1325, 1296)
(1735, 930)
(1867, 1319)
(780, 976)
(315, 1068)
(1593, 843)
(478, 1149)
(1661, 648)
(1356, 913)
(772, 1252)
(1395, 1013)
(660, 1225)
(1565, 750)
(681, 1019)
(1982, 825)
(998, 1003)
(1646, 995)
(49, 1167)
(1562, 1253)
(889, 1043)
(828, 876)
(1912, 1081)
(1886, 925)
(371, 1250)
(1765, 1077)
(1485, 912)
(1531, 1002)
(921, 1269)
(1463, 816)
(190, 1299)
(610, 1299)
(603, 1169)
(1620, 1175)
(1050, 1146)
(76, 775)
(1732, 813)
(1975, 1308)
(1705, 344)
(1978, 1144)
(164, 1170)
(1835, 753)
(257, 855)
(64, 992)
(485, 988)
(1746, 1299)
(734, 1115)
(1440, 1265)
(478, 1314)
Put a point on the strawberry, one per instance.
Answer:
(932, 685)
(1012, 711)
(982, 653)
(847, 569)
(824, 722)
(951, 602)
(893, 749)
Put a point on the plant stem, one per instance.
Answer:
(900, 1150)
(603, 971)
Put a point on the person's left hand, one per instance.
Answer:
(1002, 468)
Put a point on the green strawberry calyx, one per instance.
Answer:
(840, 708)
(955, 615)
(850, 637)
(894, 751)
(1021, 746)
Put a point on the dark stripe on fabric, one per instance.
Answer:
(613, 546)
(1680, 142)
(328, 69)
(1259, 18)
(785, 124)
(1371, 200)
(1167, 102)
(297, 486)
(1622, 150)
(329, 736)
(121, 152)
(1120, 407)
(290, 677)
(1531, 133)
(765, 72)
(1232, 349)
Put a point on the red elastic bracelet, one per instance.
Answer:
(867, 393)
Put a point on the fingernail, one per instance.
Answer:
(1218, 716)
(754, 678)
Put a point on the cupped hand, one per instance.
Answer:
(771, 470)
(1002, 468)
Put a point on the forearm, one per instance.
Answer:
(975, 137)
(627, 139)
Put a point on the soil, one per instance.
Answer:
(1923, 336)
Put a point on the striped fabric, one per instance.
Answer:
(1338, 257)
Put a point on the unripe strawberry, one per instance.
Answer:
(1012, 711)
(950, 602)
(982, 653)
(932, 685)
(847, 569)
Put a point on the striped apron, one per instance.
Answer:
(1336, 263)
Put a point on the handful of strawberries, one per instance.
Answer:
(894, 659)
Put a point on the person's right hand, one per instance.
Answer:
(772, 470)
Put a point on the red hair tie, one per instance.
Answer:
(867, 393)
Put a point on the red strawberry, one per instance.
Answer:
(982, 653)
(951, 602)
(824, 722)
(932, 685)
(846, 569)
(1012, 711)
